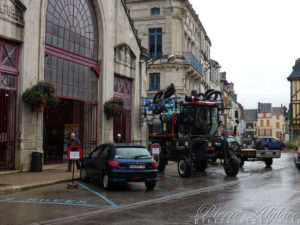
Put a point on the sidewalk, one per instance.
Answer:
(51, 174)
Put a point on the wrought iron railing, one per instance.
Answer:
(191, 59)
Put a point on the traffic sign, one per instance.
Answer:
(74, 152)
(155, 149)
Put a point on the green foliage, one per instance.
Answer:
(291, 145)
(40, 96)
(114, 106)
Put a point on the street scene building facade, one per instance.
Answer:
(265, 121)
(88, 55)
(178, 45)
(294, 109)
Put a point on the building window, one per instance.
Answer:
(71, 61)
(154, 81)
(261, 123)
(155, 42)
(265, 115)
(277, 117)
(268, 122)
(277, 125)
(155, 11)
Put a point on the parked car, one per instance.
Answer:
(119, 163)
(297, 158)
(268, 143)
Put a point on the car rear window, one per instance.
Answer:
(132, 153)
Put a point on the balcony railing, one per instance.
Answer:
(191, 59)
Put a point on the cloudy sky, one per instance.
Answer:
(256, 42)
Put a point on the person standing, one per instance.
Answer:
(72, 141)
(119, 138)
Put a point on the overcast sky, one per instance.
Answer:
(256, 42)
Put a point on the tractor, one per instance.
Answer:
(188, 131)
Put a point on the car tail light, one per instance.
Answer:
(114, 163)
(274, 153)
(263, 153)
(154, 164)
(299, 152)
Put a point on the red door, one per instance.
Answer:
(122, 123)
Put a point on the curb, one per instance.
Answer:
(12, 189)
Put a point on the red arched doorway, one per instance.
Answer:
(71, 65)
(9, 54)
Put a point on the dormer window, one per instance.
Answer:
(155, 11)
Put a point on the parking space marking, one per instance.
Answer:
(54, 202)
(98, 194)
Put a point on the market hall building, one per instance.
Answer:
(89, 51)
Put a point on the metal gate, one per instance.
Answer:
(69, 116)
(7, 128)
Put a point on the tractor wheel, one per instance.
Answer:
(184, 168)
(232, 167)
(242, 161)
(200, 165)
(161, 163)
(268, 162)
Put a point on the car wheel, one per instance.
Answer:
(106, 183)
(150, 185)
(83, 174)
(184, 168)
(200, 165)
(268, 162)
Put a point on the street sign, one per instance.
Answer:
(155, 149)
(75, 152)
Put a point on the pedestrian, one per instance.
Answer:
(73, 141)
(119, 137)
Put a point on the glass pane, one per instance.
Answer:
(66, 78)
(71, 79)
(47, 74)
(80, 82)
(3, 81)
(11, 81)
(9, 47)
(75, 92)
(80, 93)
(70, 91)
(58, 90)
(4, 54)
(59, 76)
(53, 75)
(8, 63)
(65, 90)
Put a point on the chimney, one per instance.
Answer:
(223, 75)
(231, 86)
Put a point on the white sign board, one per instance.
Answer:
(74, 155)
(155, 151)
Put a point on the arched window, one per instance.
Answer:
(72, 48)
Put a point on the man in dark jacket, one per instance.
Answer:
(73, 141)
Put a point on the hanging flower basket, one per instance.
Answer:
(113, 107)
(40, 96)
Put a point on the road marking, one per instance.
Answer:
(162, 199)
(98, 194)
(54, 203)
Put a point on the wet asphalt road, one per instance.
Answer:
(258, 195)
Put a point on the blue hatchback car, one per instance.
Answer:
(120, 163)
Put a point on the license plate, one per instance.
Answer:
(137, 166)
(269, 153)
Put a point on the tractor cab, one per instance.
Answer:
(199, 118)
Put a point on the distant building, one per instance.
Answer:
(294, 109)
(265, 121)
(250, 125)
